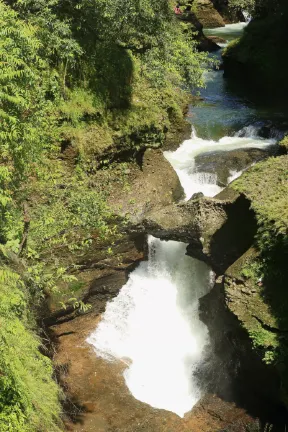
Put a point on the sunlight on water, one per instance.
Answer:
(229, 32)
(154, 322)
(183, 160)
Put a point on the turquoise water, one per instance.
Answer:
(226, 107)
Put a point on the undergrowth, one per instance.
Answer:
(29, 398)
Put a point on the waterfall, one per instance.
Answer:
(153, 324)
(247, 16)
(183, 159)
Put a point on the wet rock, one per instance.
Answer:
(100, 400)
(197, 195)
(207, 45)
(195, 28)
(240, 370)
(100, 276)
(229, 14)
(223, 163)
(217, 39)
(217, 231)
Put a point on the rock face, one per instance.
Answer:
(240, 370)
(100, 276)
(208, 16)
(240, 61)
(223, 163)
(218, 230)
(229, 15)
(250, 300)
(152, 185)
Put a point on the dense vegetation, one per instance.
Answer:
(81, 83)
(259, 53)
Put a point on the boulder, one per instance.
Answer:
(197, 195)
(207, 44)
(208, 16)
(229, 15)
(223, 163)
(150, 185)
(217, 230)
(217, 39)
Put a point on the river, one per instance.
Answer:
(153, 325)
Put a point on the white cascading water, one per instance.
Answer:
(153, 324)
(229, 32)
(183, 160)
(247, 16)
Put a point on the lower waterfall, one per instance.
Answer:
(154, 325)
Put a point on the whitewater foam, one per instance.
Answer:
(154, 321)
(183, 160)
(153, 324)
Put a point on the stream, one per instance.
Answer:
(153, 325)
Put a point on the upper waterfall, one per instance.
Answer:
(183, 159)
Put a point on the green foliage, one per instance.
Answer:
(26, 120)
(246, 5)
(29, 398)
(284, 144)
(23, 84)
(258, 8)
(252, 271)
(80, 105)
(267, 186)
(259, 53)
(66, 207)
(95, 78)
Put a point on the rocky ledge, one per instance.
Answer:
(217, 230)
(208, 15)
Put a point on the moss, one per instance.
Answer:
(95, 136)
(256, 285)
(284, 145)
(266, 186)
(259, 54)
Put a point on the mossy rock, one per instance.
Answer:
(266, 186)
(284, 145)
(207, 14)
